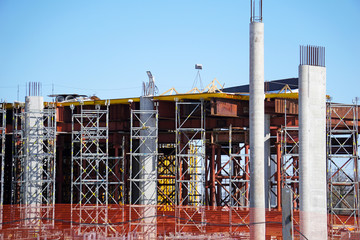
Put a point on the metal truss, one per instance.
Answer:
(143, 172)
(34, 161)
(290, 161)
(96, 183)
(190, 166)
(239, 159)
(343, 168)
(166, 177)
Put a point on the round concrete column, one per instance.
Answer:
(257, 176)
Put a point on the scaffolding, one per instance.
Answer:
(190, 166)
(290, 161)
(18, 153)
(96, 181)
(2, 150)
(166, 177)
(274, 177)
(239, 176)
(2, 156)
(343, 168)
(143, 173)
(33, 165)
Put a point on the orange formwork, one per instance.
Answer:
(220, 223)
(68, 225)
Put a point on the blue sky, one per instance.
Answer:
(106, 47)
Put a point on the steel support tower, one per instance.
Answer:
(18, 153)
(166, 177)
(343, 168)
(239, 175)
(96, 186)
(190, 166)
(2, 156)
(34, 161)
(290, 161)
(143, 173)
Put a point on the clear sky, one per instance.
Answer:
(105, 47)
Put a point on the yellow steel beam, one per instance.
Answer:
(177, 97)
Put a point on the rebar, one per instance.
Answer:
(256, 11)
(312, 55)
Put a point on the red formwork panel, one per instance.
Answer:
(63, 221)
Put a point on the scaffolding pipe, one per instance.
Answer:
(2, 152)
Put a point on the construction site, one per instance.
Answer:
(268, 160)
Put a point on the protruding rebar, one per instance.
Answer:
(33, 88)
(312, 55)
(256, 10)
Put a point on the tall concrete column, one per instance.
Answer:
(148, 168)
(267, 158)
(148, 149)
(257, 175)
(312, 139)
(34, 107)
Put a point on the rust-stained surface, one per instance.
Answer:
(228, 108)
(290, 105)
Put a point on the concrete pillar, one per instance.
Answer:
(34, 107)
(148, 197)
(257, 176)
(267, 157)
(148, 188)
(312, 137)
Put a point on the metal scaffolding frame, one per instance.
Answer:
(343, 167)
(273, 176)
(18, 153)
(96, 186)
(290, 161)
(33, 165)
(2, 156)
(2, 150)
(143, 173)
(239, 182)
(166, 176)
(190, 165)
